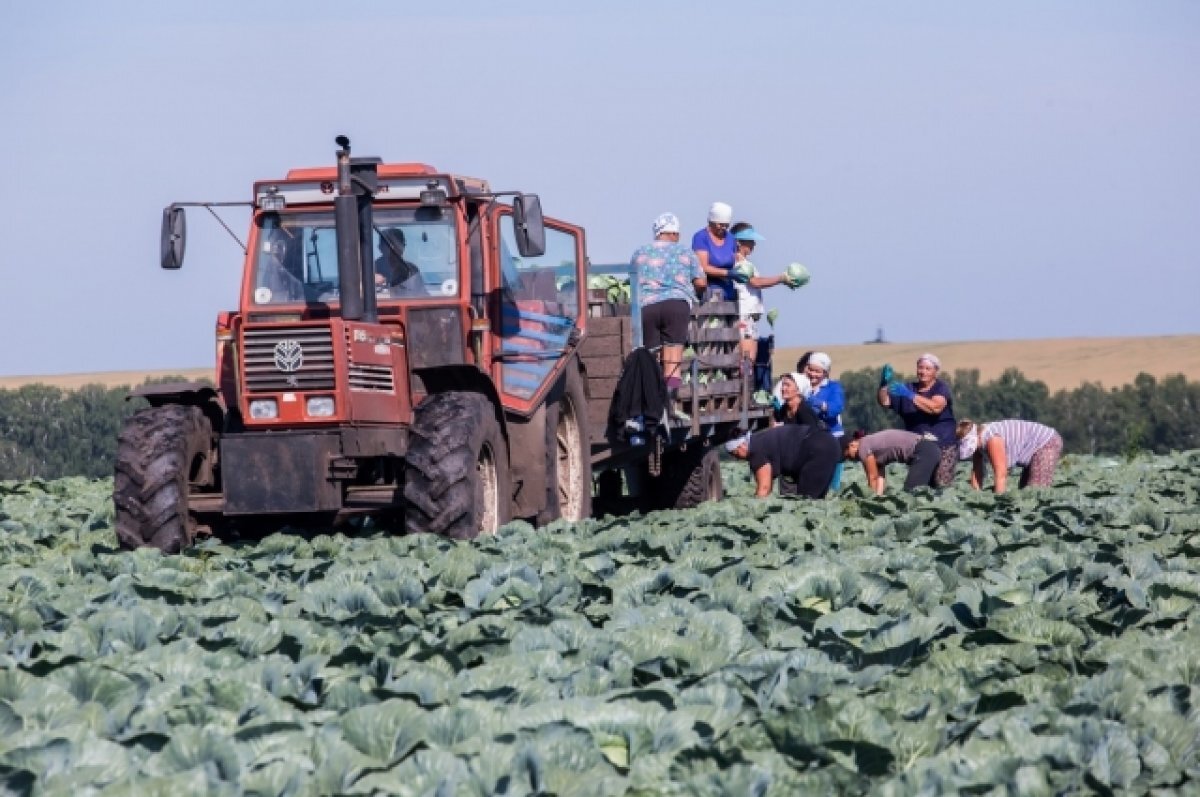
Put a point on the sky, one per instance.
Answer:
(947, 171)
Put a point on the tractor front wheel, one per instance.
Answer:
(456, 477)
(160, 452)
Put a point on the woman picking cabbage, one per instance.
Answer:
(1006, 445)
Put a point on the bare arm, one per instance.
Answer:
(882, 396)
(930, 404)
(762, 481)
(874, 475)
(766, 282)
(699, 280)
(977, 470)
(999, 459)
(711, 271)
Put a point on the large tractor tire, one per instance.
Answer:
(159, 452)
(703, 482)
(456, 477)
(568, 455)
(687, 479)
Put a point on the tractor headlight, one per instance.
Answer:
(264, 409)
(319, 406)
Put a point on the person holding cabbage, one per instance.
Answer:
(669, 280)
(926, 406)
(749, 285)
(716, 250)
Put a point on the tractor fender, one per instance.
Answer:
(466, 378)
(188, 394)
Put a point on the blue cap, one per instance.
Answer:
(748, 234)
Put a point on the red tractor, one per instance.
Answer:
(409, 344)
(404, 347)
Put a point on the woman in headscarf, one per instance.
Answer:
(827, 400)
(717, 251)
(926, 407)
(1007, 444)
(790, 404)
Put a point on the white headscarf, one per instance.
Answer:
(802, 385)
(931, 359)
(737, 442)
(969, 443)
(821, 360)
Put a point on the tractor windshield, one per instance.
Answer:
(414, 251)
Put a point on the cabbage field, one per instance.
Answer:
(1042, 642)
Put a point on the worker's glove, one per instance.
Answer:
(886, 375)
(901, 390)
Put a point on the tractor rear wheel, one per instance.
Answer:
(160, 451)
(457, 481)
(568, 455)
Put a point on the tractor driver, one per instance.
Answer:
(392, 272)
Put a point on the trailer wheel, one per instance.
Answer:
(160, 450)
(457, 481)
(703, 482)
(687, 479)
(568, 455)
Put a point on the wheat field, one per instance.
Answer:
(1062, 363)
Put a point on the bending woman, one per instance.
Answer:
(1008, 444)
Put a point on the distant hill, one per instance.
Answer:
(1062, 363)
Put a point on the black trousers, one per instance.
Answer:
(923, 466)
(820, 454)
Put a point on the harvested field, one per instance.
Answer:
(1062, 363)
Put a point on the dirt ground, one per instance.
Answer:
(1062, 363)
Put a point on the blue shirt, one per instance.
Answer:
(719, 256)
(827, 402)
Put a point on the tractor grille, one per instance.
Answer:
(367, 377)
(375, 378)
(309, 350)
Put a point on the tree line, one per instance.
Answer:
(1148, 415)
(48, 432)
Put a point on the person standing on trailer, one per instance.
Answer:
(669, 279)
(717, 251)
(749, 285)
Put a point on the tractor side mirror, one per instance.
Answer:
(529, 225)
(174, 237)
